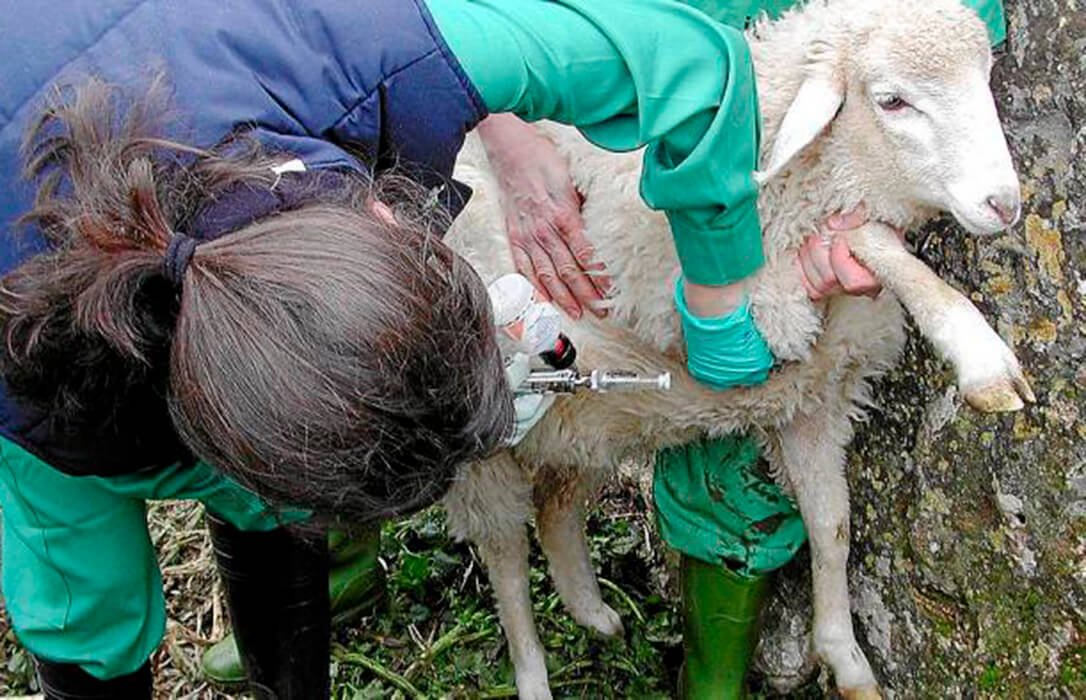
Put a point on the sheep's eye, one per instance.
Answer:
(892, 103)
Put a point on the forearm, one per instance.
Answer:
(685, 87)
(500, 134)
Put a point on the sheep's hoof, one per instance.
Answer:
(992, 380)
(604, 621)
(1008, 394)
(866, 692)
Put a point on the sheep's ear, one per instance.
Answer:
(816, 104)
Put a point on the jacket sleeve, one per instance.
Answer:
(738, 13)
(630, 74)
(991, 13)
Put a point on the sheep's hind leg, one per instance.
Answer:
(560, 522)
(813, 458)
(506, 559)
(490, 504)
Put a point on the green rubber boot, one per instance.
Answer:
(721, 623)
(356, 583)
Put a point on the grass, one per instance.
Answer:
(436, 634)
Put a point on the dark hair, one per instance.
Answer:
(322, 357)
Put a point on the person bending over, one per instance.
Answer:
(240, 307)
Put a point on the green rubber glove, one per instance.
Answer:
(726, 351)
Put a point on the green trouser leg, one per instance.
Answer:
(80, 577)
(356, 582)
(733, 526)
(721, 623)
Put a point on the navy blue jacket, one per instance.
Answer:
(306, 76)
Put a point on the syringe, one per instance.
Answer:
(570, 381)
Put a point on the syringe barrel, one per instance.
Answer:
(569, 381)
(609, 380)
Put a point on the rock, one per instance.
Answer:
(968, 562)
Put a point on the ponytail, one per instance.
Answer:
(87, 322)
(320, 356)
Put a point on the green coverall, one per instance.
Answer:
(80, 575)
(711, 501)
(732, 525)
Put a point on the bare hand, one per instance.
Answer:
(543, 216)
(827, 265)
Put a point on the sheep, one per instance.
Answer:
(831, 79)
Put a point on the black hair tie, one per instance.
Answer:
(239, 206)
(178, 255)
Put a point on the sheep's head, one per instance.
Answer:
(904, 84)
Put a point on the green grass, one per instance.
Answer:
(437, 635)
(16, 668)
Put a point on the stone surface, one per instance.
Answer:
(968, 564)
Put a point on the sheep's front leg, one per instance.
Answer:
(506, 557)
(813, 455)
(988, 373)
(561, 532)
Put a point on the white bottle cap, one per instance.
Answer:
(510, 297)
(531, 323)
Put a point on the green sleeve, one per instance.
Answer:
(628, 74)
(991, 13)
(738, 13)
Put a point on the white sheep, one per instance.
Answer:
(881, 101)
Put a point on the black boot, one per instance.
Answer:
(356, 583)
(277, 592)
(69, 682)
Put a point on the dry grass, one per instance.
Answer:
(194, 601)
(195, 605)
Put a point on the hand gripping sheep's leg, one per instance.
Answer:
(813, 459)
(988, 373)
(561, 532)
(506, 557)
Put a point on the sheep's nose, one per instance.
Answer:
(1006, 205)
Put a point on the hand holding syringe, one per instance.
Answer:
(531, 326)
